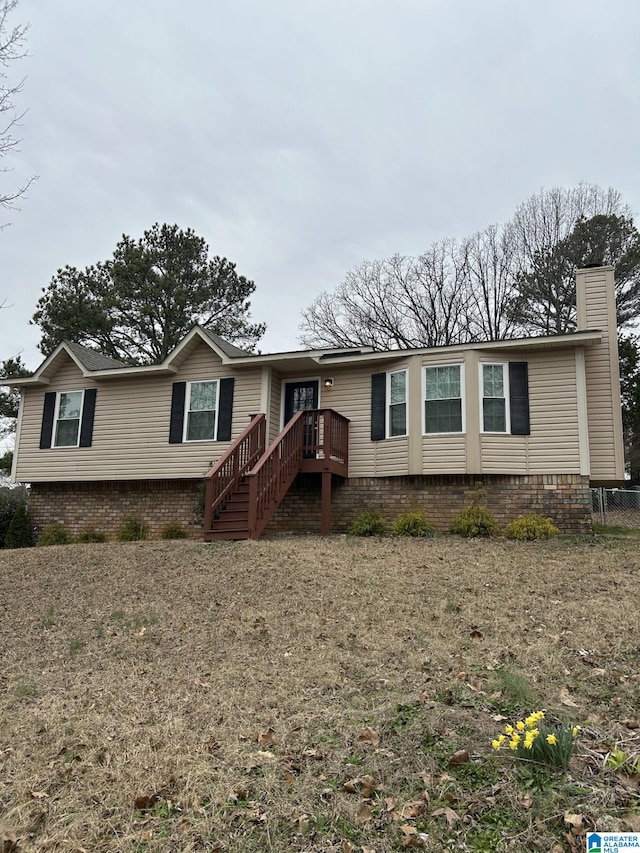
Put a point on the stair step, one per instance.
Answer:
(235, 514)
(241, 500)
(226, 534)
(225, 523)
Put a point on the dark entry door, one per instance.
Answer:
(302, 395)
(299, 395)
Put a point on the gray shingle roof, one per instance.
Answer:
(228, 349)
(92, 360)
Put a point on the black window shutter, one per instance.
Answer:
(225, 409)
(177, 412)
(378, 406)
(519, 397)
(88, 411)
(48, 411)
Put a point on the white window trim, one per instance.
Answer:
(387, 427)
(56, 414)
(481, 397)
(463, 406)
(187, 411)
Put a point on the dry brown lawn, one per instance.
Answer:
(308, 694)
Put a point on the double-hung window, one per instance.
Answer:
(67, 419)
(443, 399)
(495, 393)
(397, 396)
(201, 411)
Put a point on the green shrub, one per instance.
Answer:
(19, 532)
(90, 534)
(132, 530)
(54, 534)
(10, 500)
(412, 524)
(475, 521)
(370, 522)
(173, 530)
(531, 526)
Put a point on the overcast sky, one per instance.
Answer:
(300, 137)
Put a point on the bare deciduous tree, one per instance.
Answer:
(392, 303)
(472, 289)
(12, 41)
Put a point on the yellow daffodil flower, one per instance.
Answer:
(520, 726)
(508, 730)
(552, 739)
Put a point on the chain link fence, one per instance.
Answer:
(616, 507)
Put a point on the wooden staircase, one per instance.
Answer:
(246, 486)
(232, 521)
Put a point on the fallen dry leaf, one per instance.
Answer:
(266, 737)
(367, 786)
(303, 822)
(574, 819)
(632, 822)
(459, 757)
(364, 813)
(368, 735)
(145, 801)
(411, 837)
(448, 813)
(38, 795)
(413, 810)
(9, 842)
(567, 699)
(347, 847)
(366, 848)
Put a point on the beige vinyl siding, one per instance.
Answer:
(596, 310)
(442, 453)
(274, 409)
(131, 426)
(553, 446)
(351, 397)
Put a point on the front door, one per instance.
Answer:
(302, 395)
(299, 395)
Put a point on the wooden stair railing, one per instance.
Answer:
(271, 478)
(224, 477)
(246, 486)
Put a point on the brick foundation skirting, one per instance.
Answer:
(106, 506)
(565, 498)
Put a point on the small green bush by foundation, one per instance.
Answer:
(10, 500)
(475, 521)
(90, 534)
(412, 524)
(370, 522)
(54, 534)
(19, 533)
(173, 530)
(531, 526)
(132, 530)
